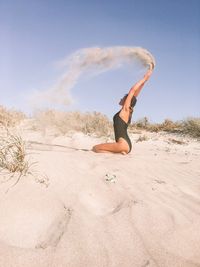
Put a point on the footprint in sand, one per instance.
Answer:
(104, 205)
(95, 204)
(31, 217)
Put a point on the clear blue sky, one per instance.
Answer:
(34, 35)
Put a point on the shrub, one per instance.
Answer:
(167, 125)
(65, 122)
(191, 126)
(10, 117)
(170, 126)
(142, 123)
(97, 123)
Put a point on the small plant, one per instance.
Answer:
(13, 159)
(169, 126)
(12, 154)
(142, 138)
(142, 123)
(175, 141)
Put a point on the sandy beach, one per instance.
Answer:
(77, 208)
(75, 76)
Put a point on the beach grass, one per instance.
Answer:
(10, 117)
(189, 126)
(64, 122)
(95, 123)
(12, 154)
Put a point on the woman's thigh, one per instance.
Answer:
(118, 147)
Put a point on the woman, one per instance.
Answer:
(122, 119)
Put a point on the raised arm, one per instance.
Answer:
(135, 90)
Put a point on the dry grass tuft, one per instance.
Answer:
(10, 117)
(168, 125)
(142, 123)
(175, 141)
(96, 123)
(142, 138)
(64, 122)
(13, 160)
(12, 154)
(190, 127)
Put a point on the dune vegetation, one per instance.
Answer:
(95, 123)
(10, 117)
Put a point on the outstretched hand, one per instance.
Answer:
(138, 86)
(151, 66)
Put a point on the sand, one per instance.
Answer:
(80, 209)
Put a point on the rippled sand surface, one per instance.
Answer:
(103, 210)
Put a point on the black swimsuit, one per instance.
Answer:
(120, 127)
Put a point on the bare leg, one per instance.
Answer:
(118, 147)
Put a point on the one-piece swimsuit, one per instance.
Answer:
(120, 129)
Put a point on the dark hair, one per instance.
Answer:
(133, 101)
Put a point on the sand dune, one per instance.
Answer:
(103, 210)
